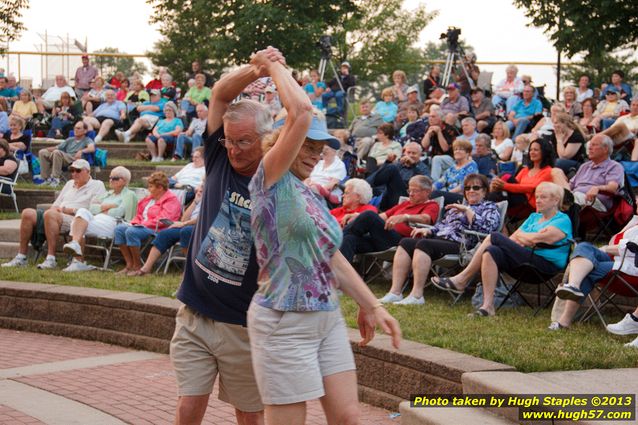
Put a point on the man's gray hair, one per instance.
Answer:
(423, 181)
(247, 109)
(361, 188)
(168, 76)
(436, 112)
(482, 137)
(470, 120)
(416, 145)
(609, 143)
(123, 172)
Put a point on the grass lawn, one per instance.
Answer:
(514, 337)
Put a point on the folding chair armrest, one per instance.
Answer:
(479, 235)
(421, 226)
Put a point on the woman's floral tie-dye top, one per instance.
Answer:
(295, 239)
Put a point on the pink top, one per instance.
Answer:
(168, 206)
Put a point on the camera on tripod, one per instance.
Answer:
(452, 37)
(325, 46)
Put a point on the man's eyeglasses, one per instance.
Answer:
(240, 144)
(475, 188)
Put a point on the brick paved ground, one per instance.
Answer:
(136, 392)
(15, 417)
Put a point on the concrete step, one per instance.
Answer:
(8, 249)
(615, 381)
(448, 416)
(10, 230)
(28, 198)
(116, 149)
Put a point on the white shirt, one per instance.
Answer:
(190, 175)
(584, 95)
(336, 170)
(198, 126)
(53, 93)
(630, 235)
(507, 143)
(72, 197)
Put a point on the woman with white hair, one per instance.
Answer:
(356, 197)
(100, 219)
(507, 90)
(164, 133)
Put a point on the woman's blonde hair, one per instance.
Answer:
(158, 178)
(505, 128)
(399, 73)
(387, 92)
(552, 189)
(463, 144)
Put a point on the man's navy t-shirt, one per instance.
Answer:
(221, 270)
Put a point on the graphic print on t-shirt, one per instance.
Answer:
(225, 251)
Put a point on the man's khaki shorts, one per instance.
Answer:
(149, 120)
(201, 348)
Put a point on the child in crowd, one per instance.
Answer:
(521, 144)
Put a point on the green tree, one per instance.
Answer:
(10, 21)
(222, 34)
(600, 67)
(591, 26)
(108, 65)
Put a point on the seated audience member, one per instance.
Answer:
(521, 115)
(438, 143)
(569, 142)
(484, 157)
(24, 107)
(100, 217)
(12, 83)
(160, 204)
(65, 113)
(52, 95)
(168, 91)
(609, 109)
(545, 127)
(520, 190)
(625, 128)
(199, 94)
(627, 326)
(179, 231)
(18, 141)
(450, 185)
(54, 158)
(498, 253)
(111, 113)
(363, 129)
(435, 99)
(425, 245)
(385, 149)
(468, 130)
(400, 86)
(8, 165)
(599, 174)
(115, 83)
(156, 83)
(501, 143)
(386, 107)
(77, 193)
(84, 75)
(196, 68)
(412, 101)
(94, 97)
(589, 265)
(482, 110)
(589, 119)
(136, 96)
(432, 81)
(194, 135)
(623, 89)
(520, 151)
(4, 120)
(414, 128)
(7, 95)
(191, 175)
(507, 90)
(454, 106)
(572, 106)
(150, 113)
(371, 232)
(271, 101)
(164, 133)
(122, 92)
(393, 178)
(315, 89)
(346, 79)
(583, 91)
(327, 175)
(357, 194)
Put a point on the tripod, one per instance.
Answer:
(326, 59)
(455, 52)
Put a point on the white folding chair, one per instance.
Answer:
(8, 185)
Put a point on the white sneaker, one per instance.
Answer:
(632, 344)
(127, 138)
(78, 266)
(18, 261)
(72, 248)
(53, 182)
(98, 139)
(390, 298)
(48, 264)
(411, 300)
(626, 326)
(120, 135)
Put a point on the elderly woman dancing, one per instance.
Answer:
(498, 253)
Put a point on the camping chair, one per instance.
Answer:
(7, 184)
(174, 255)
(530, 274)
(371, 263)
(616, 283)
(450, 264)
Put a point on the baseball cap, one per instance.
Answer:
(476, 90)
(345, 63)
(412, 90)
(318, 132)
(79, 164)
(155, 92)
(452, 86)
(85, 56)
(612, 89)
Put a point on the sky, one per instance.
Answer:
(131, 32)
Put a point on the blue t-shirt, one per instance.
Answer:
(522, 110)
(310, 89)
(159, 104)
(561, 221)
(387, 110)
(220, 276)
(166, 126)
(295, 239)
(7, 92)
(112, 110)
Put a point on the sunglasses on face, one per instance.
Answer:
(115, 178)
(74, 170)
(475, 188)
